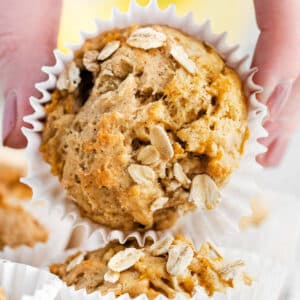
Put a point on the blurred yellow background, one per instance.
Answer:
(234, 16)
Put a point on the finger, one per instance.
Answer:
(277, 52)
(28, 34)
(281, 128)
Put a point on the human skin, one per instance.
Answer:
(26, 46)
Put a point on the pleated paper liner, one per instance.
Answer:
(59, 228)
(23, 282)
(239, 189)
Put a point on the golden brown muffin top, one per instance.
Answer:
(167, 267)
(141, 120)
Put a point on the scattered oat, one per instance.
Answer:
(141, 174)
(247, 279)
(148, 155)
(160, 139)
(180, 175)
(182, 58)
(75, 261)
(90, 61)
(229, 270)
(161, 169)
(109, 50)
(69, 79)
(259, 214)
(162, 246)
(124, 259)
(213, 251)
(204, 192)
(159, 203)
(107, 72)
(146, 38)
(180, 257)
(111, 276)
(173, 186)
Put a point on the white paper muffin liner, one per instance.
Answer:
(276, 237)
(267, 275)
(59, 230)
(239, 190)
(23, 282)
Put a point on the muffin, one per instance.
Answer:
(18, 227)
(145, 124)
(167, 267)
(2, 295)
(12, 168)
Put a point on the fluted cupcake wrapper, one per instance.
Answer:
(23, 282)
(235, 196)
(59, 228)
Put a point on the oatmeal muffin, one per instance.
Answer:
(2, 295)
(12, 168)
(145, 124)
(169, 266)
(18, 227)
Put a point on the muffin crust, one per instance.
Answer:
(167, 267)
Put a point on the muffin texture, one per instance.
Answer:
(145, 124)
(169, 266)
(10, 179)
(18, 227)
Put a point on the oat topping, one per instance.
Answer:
(160, 139)
(204, 192)
(111, 276)
(75, 261)
(180, 175)
(182, 58)
(161, 246)
(108, 50)
(230, 269)
(173, 186)
(166, 267)
(148, 155)
(159, 203)
(180, 256)
(69, 79)
(141, 174)
(146, 38)
(124, 259)
(90, 61)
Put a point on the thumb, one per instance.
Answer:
(28, 34)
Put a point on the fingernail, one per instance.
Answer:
(9, 115)
(279, 98)
(276, 151)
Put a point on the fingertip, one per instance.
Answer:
(16, 106)
(15, 139)
(274, 155)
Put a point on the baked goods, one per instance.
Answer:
(144, 125)
(2, 295)
(12, 169)
(18, 227)
(167, 267)
(258, 216)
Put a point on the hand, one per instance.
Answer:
(28, 34)
(277, 56)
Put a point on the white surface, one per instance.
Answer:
(286, 177)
